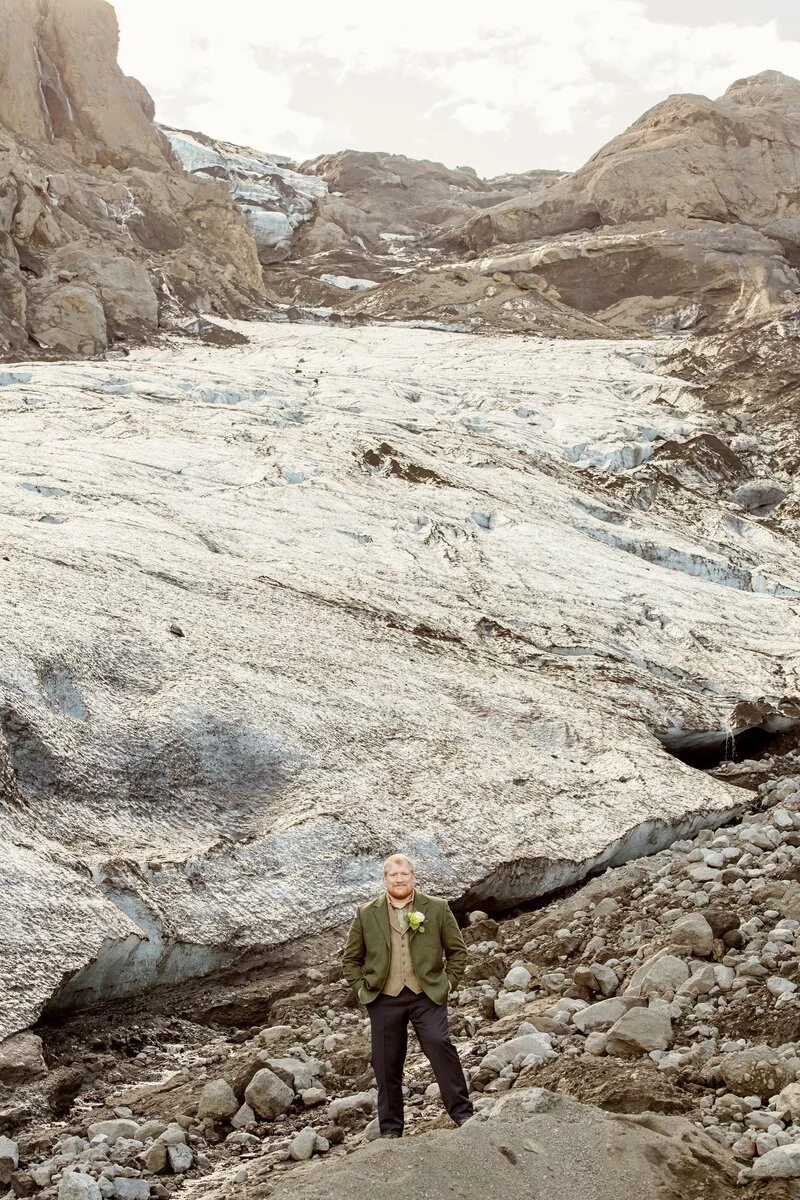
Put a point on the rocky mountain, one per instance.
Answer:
(104, 239)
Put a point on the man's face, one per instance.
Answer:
(398, 879)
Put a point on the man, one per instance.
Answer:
(404, 955)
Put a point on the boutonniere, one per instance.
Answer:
(416, 921)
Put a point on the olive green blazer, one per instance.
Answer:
(438, 953)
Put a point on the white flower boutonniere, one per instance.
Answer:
(416, 921)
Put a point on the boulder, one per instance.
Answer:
(755, 1071)
(601, 1016)
(781, 1163)
(639, 1031)
(119, 1127)
(217, 1100)
(662, 975)
(21, 1059)
(76, 1186)
(268, 1095)
(537, 1044)
(696, 932)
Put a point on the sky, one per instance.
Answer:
(507, 87)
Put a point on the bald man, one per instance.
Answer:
(403, 956)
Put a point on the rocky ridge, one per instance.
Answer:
(657, 1004)
(104, 239)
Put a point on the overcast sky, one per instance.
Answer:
(500, 87)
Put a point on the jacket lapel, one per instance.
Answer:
(419, 904)
(382, 917)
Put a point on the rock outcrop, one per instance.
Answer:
(103, 237)
(272, 616)
(684, 169)
(60, 84)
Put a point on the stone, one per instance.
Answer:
(313, 1096)
(639, 1031)
(76, 1186)
(180, 1158)
(268, 1095)
(788, 1102)
(154, 1158)
(117, 1127)
(696, 932)
(781, 1163)
(595, 1043)
(21, 1059)
(217, 1100)
(360, 1102)
(508, 1003)
(9, 1159)
(303, 1144)
(173, 1135)
(662, 975)
(244, 1116)
(601, 1016)
(131, 1189)
(756, 1071)
(535, 1044)
(517, 979)
(781, 987)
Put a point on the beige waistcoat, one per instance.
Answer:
(401, 971)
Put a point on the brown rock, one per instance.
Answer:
(21, 1059)
(68, 318)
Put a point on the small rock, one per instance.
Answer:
(9, 1159)
(244, 1116)
(117, 1128)
(75, 1186)
(696, 932)
(508, 1003)
(180, 1158)
(303, 1145)
(781, 987)
(605, 1013)
(313, 1095)
(595, 1043)
(154, 1158)
(517, 979)
(131, 1189)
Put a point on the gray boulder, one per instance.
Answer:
(268, 1095)
(756, 1071)
(639, 1031)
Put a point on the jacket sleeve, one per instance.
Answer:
(455, 952)
(353, 954)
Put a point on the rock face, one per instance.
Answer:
(271, 616)
(61, 84)
(275, 199)
(103, 237)
(685, 168)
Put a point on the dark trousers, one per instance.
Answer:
(389, 1017)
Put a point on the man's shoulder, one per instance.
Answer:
(371, 905)
(430, 901)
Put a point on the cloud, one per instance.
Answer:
(520, 86)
